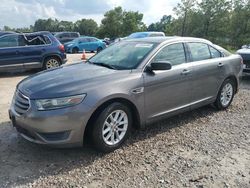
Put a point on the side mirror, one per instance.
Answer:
(160, 65)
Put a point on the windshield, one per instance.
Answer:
(123, 55)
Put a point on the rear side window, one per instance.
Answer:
(199, 51)
(214, 53)
(156, 35)
(174, 54)
(75, 35)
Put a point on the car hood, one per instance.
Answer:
(68, 80)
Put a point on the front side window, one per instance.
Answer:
(83, 40)
(9, 41)
(124, 55)
(92, 40)
(199, 51)
(174, 54)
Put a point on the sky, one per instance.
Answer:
(23, 13)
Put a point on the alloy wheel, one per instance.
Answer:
(115, 127)
(226, 94)
(52, 63)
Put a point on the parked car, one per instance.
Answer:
(84, 43)
(27, 51)
(130, 84)
(146, 34)
(64, 37)
(6, 33)
(245, 54)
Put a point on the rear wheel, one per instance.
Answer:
(225, 95)
(112, 127)
(51, 62)
(75, 50)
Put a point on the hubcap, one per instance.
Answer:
(52, 63)
(115, 127)
(226, 94)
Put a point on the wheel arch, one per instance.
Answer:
(52, 55)
(100, 108)
(235, 80)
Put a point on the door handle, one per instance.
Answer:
(185, 72)
(220, 65)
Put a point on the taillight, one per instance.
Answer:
(61, 48)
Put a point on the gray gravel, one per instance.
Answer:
(202, 148)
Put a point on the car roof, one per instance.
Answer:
(169, 39)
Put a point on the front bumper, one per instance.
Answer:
(59, 128)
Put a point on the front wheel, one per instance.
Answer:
(112, 127)
(225, 95)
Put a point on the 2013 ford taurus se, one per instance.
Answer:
(130, 84)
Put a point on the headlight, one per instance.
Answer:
(51, 104)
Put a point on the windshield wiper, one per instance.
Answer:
(104, 65)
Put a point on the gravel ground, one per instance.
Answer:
(202, 148)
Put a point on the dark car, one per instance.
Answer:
(32, 50)
(145, 34)
(245, 54)
(64, 37)
(2, 33)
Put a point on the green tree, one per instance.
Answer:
(132, 22)
(240, 23)
(86, 27)
(120, 23)
(161, 25)
(182, 10)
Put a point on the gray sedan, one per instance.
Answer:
(129, 85)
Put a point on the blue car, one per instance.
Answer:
(146, 34)
(39, 50)
(90, 44)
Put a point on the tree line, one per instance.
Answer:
(225, 22)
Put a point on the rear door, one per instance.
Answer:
(168, 91)
(207, 63)
(33, 52)
(10, 53)
(93, 44)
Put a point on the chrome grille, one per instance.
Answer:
(21, 103)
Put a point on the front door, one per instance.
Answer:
(167, 92)
(10, 53)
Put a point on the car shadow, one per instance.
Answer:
(23, 162)
(17, 73)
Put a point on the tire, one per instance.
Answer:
(51, 62)
(75, 50)
(99, 49)
(225, 95)
(105, 135)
